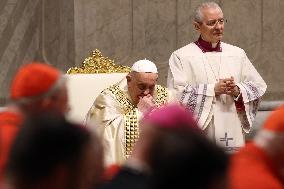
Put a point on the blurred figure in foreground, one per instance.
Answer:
(36, 88)
(9, 126)
(172, 153)
(260, 164)
(39, 88)
(52, 153)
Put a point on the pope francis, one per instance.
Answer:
(116, 112)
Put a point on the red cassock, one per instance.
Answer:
(9, 125)
(251, 168)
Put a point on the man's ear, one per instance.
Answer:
(128, 78)
(196, 26)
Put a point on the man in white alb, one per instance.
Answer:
(216, 81)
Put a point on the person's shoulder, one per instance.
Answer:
(105, 99)
(113, 94)
(120, 86)
(161, 94)
(160, 87)
(10, 117)
(185, 50)
(107, 94)
(229, 48)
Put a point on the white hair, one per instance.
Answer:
(198, 14)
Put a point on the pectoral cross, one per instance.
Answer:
(226, 139)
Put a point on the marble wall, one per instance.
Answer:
(64, 32)
(127, 30)
(19, 37)
(41, 30)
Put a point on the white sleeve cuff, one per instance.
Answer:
(237, 98)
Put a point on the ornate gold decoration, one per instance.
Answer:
(161, 95)
(131, 131)
(96, 63)
(121, 97)
(131, 127)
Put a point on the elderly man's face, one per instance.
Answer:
(60, 102)
(57, 103)
(212, 26)
(140, 85)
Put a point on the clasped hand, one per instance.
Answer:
(227, 86)
(146, 103)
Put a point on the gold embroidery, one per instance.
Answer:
(131, 128)
(161, 95)
(131, 131)
(121, 97)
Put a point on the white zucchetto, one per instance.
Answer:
(144, 66)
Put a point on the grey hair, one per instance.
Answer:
(198, 14)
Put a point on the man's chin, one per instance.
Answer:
(218, 37)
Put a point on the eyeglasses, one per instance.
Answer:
(212, 23)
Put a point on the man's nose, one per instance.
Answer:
(146, 92)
